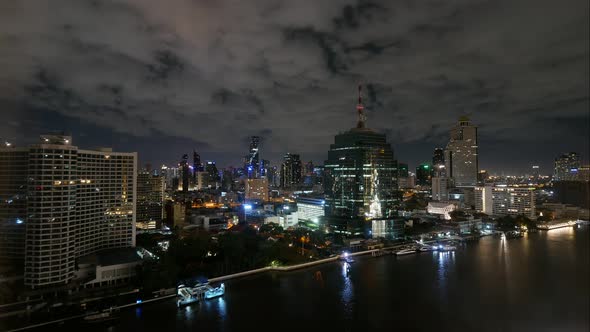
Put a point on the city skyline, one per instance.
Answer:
(173, 81)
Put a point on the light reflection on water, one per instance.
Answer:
(347, 294)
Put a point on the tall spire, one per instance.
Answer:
(360, 109)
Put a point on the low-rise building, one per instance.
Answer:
(442, 209)
(310, 209)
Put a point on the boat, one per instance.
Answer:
(406, 251)
(425, 248)
(443, 248)
(188, 295)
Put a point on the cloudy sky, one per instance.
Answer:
(164, 77)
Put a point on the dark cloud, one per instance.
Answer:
(175, 75)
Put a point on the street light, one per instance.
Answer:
(247, 207)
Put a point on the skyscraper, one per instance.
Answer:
(253, 158)
(360, 173)
(567, 167)
(438, 163)
(424, 175)
(291, 171)
(461, 156)
(185, 170)
(78, 202)
(150, 200)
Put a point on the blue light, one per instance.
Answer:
(247, 206)
(19, 221)
(138, 301)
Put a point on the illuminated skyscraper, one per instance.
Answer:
(291, 171)
(150, 200)
(360, 174)
(253, 158)
(461, 156)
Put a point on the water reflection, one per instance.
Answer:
(138, 312)
(347, 294)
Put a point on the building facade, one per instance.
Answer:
(150, 200)
(505, 201)
(461, 154)
(291, 171)
(78, 202)
(310, 209)
(257, 189)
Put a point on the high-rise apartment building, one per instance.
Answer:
(461, 154)
(502, 201)
(424, 175)
(185, 173)
(440, 189)
(291, 170)
(567, 167)
(78, 202)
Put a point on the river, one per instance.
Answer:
(537, 283)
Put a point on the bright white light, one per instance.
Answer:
(19, 221)
(286, 207)
(248, 206)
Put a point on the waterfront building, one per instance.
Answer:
(78, 202)
(503, 200)
(461, 154)
(291, 171)
(310, 209)
(389, 229)
(567, 167)
(442, 209)
(257, 189)
(360, 174)
(150, 200)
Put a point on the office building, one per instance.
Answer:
(150, 200)
(253, 157)
(212, 175)
(424, 175)
(291, 171)
(584, 173)
(360, 174)
(503, 201)
(566, 167)
(461, 154)
(310, 209)
(389, 229)
(78, 202)
(438, 157)
(440, 189)
(257, 189)
(185, 173)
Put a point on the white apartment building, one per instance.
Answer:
(503, 200)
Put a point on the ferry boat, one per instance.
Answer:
(188, 295)
(550, 226)
(443, 248)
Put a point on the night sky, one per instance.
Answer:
(164, 77)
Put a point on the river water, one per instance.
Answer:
(538, 283)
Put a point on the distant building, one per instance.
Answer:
(424, 175)
(288, 220)
(461, 154)
(567, 167)
(502, 201)
(185, 172)
(438, 157)
(150, 200)
(92, 206)
(257, 189)
(310, 209)
(291, 171)
(584, 173)
(252, 166)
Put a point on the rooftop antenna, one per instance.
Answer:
(360, 110)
